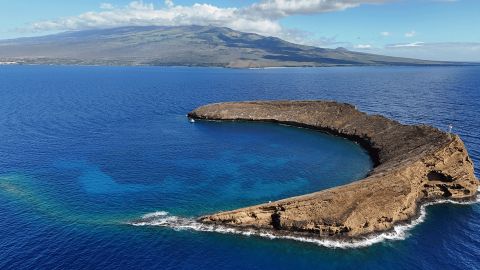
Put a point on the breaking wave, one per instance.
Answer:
(399, 232)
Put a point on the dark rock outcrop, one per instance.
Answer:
(413, 164)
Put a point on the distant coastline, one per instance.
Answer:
(8, 63)
(172, 46)
(71, 62)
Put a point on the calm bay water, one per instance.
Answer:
(86, 151)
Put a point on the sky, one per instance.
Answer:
(424, 29)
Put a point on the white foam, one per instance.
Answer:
(154, 215)
(399, 232)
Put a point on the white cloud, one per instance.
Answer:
(385, 34)
(440, 51)
(261, 17)
(363, 46)
(283, 8)
(106, 6)
(410, 34)
(140, 13)
(169, 3)
(403, 45)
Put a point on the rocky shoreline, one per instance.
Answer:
(413, 165)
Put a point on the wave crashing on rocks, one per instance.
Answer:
(399, 232)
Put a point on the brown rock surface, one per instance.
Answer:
(413, 164)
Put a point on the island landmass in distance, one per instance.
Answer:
(414, 164)
(185, 46)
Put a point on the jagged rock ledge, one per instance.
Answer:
(413, 164)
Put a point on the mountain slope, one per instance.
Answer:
(183, 46)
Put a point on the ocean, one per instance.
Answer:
(101, 169)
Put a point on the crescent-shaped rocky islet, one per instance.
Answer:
(414, 164)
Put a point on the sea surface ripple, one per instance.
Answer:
(100, 169)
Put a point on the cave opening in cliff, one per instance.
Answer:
(439, 176)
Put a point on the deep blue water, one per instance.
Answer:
(87, 151)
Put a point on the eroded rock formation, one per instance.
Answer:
(413, 164)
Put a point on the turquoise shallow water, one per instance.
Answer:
(88, 151)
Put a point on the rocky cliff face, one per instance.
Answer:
(414, 164)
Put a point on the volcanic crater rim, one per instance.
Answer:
(413, 164)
